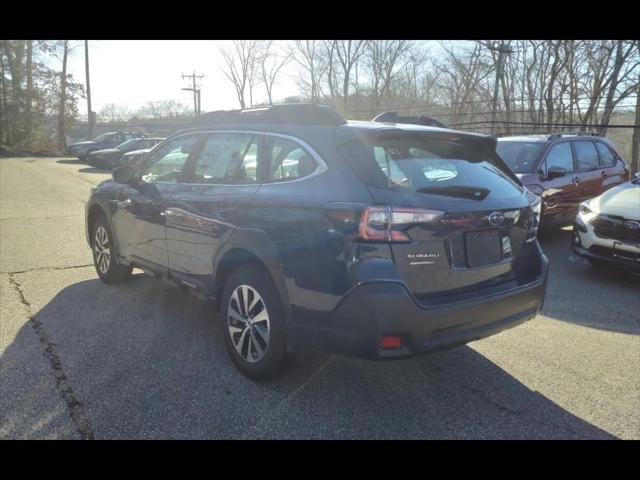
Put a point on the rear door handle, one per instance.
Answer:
(575, 180)
(603, 173)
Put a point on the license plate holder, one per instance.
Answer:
(622, 254)
(484, 247)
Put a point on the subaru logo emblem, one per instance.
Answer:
(496, 218)
(632, 225)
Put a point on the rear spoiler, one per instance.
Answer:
(393, 117)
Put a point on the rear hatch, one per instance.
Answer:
(479, 225)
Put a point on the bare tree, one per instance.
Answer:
(270, 67)
(241, 60)
(385, 59)
(113, 112)
(160, 109)
(623, 79)
(347, 53)
(308, 55)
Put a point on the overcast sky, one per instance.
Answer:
(133, 72)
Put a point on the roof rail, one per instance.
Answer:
(393, 117)
(289, 113)
(577, 134)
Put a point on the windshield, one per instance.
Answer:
(129, 144)
(102, 137)
(520, 156)
(452, 168)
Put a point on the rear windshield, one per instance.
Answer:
(452, 168)
(520, 156)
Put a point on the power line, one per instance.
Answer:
(196, 91)
(469, 102)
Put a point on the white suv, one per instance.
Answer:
(607, 228)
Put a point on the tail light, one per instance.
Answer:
(387, 224)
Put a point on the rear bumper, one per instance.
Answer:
(377, 309)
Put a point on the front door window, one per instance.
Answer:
(166, 163)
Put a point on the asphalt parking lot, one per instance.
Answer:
(80, 359)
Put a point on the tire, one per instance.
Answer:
(244, 344)
(104, 256)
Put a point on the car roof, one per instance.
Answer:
(550, 137)
(525, 138)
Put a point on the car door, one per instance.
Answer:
(588, 173)
(560, 195)
(203, 212)
(139, 221)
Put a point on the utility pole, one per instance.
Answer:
(86, 65)
(196, 91)
(502, 49)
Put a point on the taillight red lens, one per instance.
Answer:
(383, 223)
(390, 342)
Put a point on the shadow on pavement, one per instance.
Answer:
(148, 361)
(579, 293)
(93, 170)
(71, 161)
(87, 169)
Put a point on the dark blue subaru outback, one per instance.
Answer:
(379, 240)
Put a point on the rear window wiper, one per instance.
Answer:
(472, 193)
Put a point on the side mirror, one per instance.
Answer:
(125, 174)
(556, 172)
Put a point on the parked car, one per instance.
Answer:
(111, 157)
(368, 239)
(564, 169)
(80, 150)
(607, 228)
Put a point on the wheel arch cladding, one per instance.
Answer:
(237, 256)
(94, 212)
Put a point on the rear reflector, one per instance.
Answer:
(390, 342)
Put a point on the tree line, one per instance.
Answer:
(501, 87)
(35, 89)
(169, 109)
(539, 81)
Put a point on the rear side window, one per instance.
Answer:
(586, 155)
(560, 155)
(287, 160)
(453, 168)
(606, 156)
(228, 159)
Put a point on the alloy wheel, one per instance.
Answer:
(248, 322)
(101, 249)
